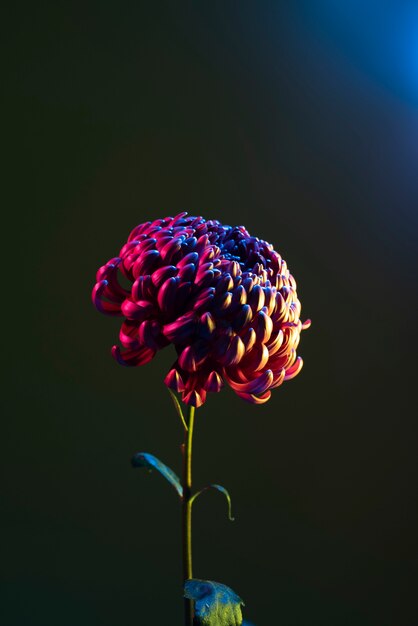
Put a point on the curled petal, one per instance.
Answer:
(242, 318)
(145, 263)
(280, 309)
(109, 272)
(128, 247)
(167, 294)
(195, 397)
(256, 298)
(192, 257)
(225, 283)
(181, 329)
(162, 274)
(205, 300)
(275, 344)
(187, 272)
(142, 289)
(174, 381)
(204, 279)
(170, 249)
(257, 385)
(234, 269)
(248, 284)
(235, 351)
(187, 359)
(138, 231)
(253, 399)
(109, 308)
(201, 244)
(149, 334)
(224, 301)
(207, 325)
(257, 358)
(249, 339)
(128, 335)
(182, 293)
(294, 369)
(213, 382)
(270, 300)
(239, 298)
(136, 310)
(278, 379)
(263, 327)
(133, 358)
(306, 324)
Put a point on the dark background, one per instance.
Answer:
(299, 120)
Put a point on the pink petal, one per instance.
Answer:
(167, 294)
(192, 257)
(195, 398)
(207, 325)
(133, 358)
(109, 308)
(160, 276)
(137, 310)
(146, 263)
(170, 249)
(187, 359)
(174, 381)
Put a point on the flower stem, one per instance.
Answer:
(187, 513)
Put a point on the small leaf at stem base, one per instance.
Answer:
(215, 603)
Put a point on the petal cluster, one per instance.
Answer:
(225, 299)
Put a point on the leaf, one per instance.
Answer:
(215, 603)
(178, 409)
(143, 459)
(222, 490)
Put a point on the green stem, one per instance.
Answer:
(187, 513)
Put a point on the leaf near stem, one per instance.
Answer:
(222, 490)
(149, 461)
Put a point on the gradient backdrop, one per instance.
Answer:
(299, 120)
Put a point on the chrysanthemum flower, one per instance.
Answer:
(224, 299)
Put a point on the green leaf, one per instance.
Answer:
(178, 409)
(222, 490)
(143, 459)
(215, 604)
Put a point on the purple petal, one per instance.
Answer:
(137, 310)
(174, 381)
(234, 352)
(181, 329)
(145, 263)
(108, 308)
(214, 382)
(242, 318)
(167, 294)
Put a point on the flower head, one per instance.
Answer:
(224, 299)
